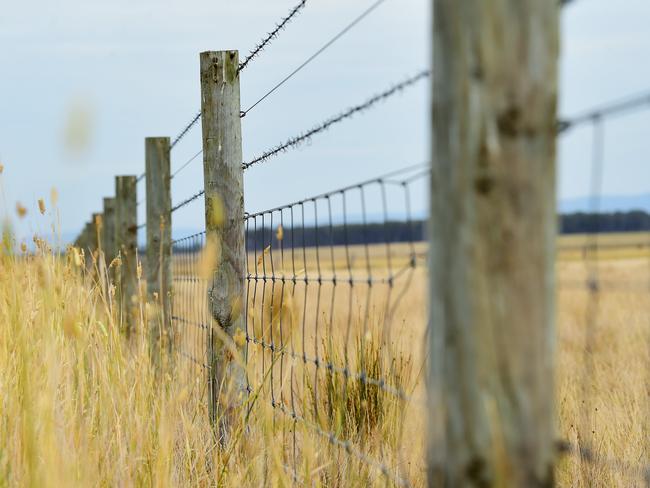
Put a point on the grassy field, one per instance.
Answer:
(81, 407)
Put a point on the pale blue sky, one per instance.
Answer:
(127, 70)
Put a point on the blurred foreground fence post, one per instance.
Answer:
(159, 237)
(127, 237)
(109, 230)
(224, 223)
(492, 231)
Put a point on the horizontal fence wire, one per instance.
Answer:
(323, 126)
(185, 130)
(311, 58)
(637, 102)
(272, 35)
(186, 164)
(187, 201)
(328, 285)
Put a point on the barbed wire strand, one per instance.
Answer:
(187, 201)
(185, 130)
(329, 43)
(299, 139)
(271, 35)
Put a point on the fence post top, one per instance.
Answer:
(231, 52)
(155, 139)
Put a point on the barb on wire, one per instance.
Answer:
(187, 201)
(616, 108)
(186, 164)
(299, 139)
(325, 46)
(272, 35)
(186, 130)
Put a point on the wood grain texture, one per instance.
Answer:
(127, 241)
(159, 238)
(493, 234)
(224, 223)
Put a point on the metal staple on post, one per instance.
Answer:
(224, 221)
(159, 261)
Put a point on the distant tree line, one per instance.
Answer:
(336, 235)
(582, 222)
(415, 231)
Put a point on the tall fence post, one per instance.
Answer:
(159, 237)
(127, 243)
(224, 223)
(109, 230)
(492, 232)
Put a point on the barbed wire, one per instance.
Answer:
(346, 445)
(187, 201)
(329, 43)
(299, 139)
(271, 35)
(185, 130)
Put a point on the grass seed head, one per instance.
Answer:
(41, 206)
(21, 211)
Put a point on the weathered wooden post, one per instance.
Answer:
(492, 231)
(109, 230)
(97, 223)
(127, 241)
(159, 237)
(224, 223)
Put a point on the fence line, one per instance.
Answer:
(327, 288)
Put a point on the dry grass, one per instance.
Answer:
(81, 407)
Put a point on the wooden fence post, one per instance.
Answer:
(224, 223)
(127, 242)
(159, 237)
(109, 230)
(492, 231)
(97, 227)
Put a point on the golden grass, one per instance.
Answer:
(79, 406)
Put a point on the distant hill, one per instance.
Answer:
(607, 203)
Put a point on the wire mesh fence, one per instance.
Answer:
(334, 304)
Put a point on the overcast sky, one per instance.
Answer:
(84, 82)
